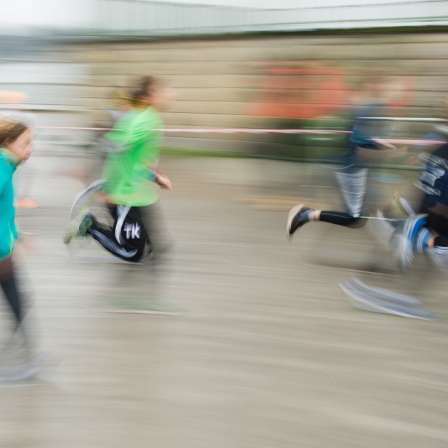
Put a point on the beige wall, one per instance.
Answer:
(218, 81)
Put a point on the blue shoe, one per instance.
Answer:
(405, 246)
(413, 226)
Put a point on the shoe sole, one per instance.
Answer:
(385, 294)
(364, 302)
(137, 311)
(292, 213)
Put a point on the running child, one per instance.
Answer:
(364, 146)
(15, 148)
(131, 179)
(428, 230)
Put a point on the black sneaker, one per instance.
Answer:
(296, 219)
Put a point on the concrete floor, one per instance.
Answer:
(267, 353)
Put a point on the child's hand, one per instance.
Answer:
(103, 197)
(163, 182)
(385, 145)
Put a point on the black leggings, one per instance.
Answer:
(344, 219)
(440, 225)
(11, 292)
(127, 239)
(435, 222)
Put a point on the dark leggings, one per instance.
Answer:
(344, 219)
(127, 238)
(440, 225)
(11, 292)
(435, 221)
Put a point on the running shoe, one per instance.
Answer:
(404, 241)
(297, 217)
(79, 226)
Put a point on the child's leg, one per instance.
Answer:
(160, 265)
(9, 286)
(156, 229)
(436, 246)
(424, 233)
(353, 186)
(300, 215)
(14, 298)
(126, 239)
(344, 219)
(352, 182)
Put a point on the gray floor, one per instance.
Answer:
(268, 352)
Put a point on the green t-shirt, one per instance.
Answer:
(127, 178)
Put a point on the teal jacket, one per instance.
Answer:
(8, 229)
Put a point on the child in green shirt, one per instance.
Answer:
(130, 177)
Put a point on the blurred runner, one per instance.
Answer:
(131, 178)
(365, 145)
(10, 106)
(15, 148)
(428, 230)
